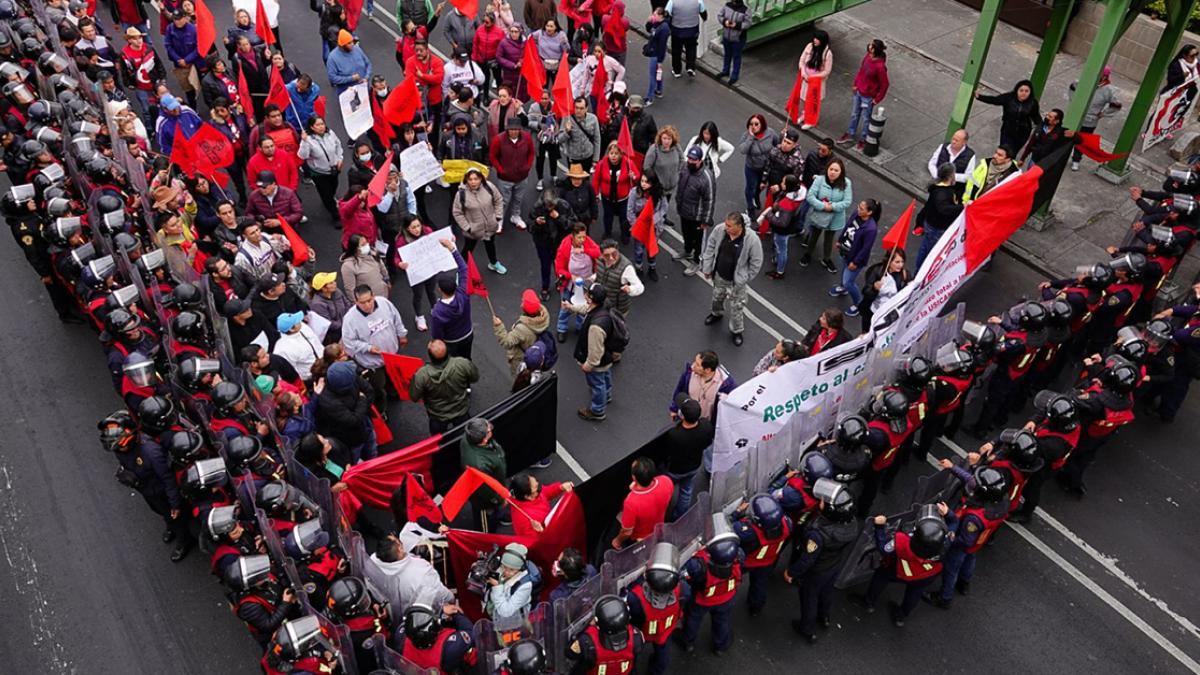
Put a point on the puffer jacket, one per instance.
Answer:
(442, 387)
(737, 12)
(478, 212)
(756, 148)
(696, 194)
(521, 336)
(582, 140)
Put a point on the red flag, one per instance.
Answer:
(380, 125)
(319, 106)
(897, 237)
(400, 370)
(812, 102)
(206, 28)
(353, 13)
(1089, 144)
(599, 84)
(401, 106)
(992, 218)
(373, 481)
(469, 8)
(418, 503)
(624, 140)
(383, 434)
(466, 485)
(211, 147)
(262, 27)
(299, 246)
(793, 103)
(278, 94)
(378, 184)
(643, 229)
(475, 285)
(533, 71)
(181, 153)
(564, 99)
(244, 97)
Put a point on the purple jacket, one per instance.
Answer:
(181, 44)
(508, 52)
(856, 240)
(452, 321)
(728, 384)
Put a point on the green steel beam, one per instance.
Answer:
(1178, 12)
(1060, 16)
(984, 30)
(1111, 25)
(777, 17)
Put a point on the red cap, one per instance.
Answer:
(530, 304)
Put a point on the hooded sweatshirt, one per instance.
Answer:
(401, 581)
(489, 459)
(442, 386)
(521, 336)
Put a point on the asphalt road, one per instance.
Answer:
(87, 586)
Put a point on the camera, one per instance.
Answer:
(486, 566)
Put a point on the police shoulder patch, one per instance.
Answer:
(27, 240)
(811, 547)
(575, 647)
(1114, 300)
(1171, 360)
(138, 461)
(972, 528)
(1196, 333)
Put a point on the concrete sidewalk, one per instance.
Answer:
(928, 41)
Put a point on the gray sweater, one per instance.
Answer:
(382, 328)
(579, 140)
(757, 149)
(664, 165)
(749, 262)
(321, 153)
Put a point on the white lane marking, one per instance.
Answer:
(1109, 563)
(749, 315)
(763, 301)
(572, 464)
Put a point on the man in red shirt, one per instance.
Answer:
(645, 505)
(429, 71)
(269, 158)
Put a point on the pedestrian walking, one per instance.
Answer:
(658, 30)
(756, 144)
(940, 211)
(829, 200)
(1020, 113)
(731, 260)
(1104, 101)
(854, 245)
(816, 63)
(735, 20)
(870, 86)
(696, 198)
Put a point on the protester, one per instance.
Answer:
(478, 209)
(658, 29)
(829, 199)
(450, 316)
(784, 351)
(321, 151)
(989, 173)
(403, 577)
(695, 202)
(372, 328)
(410, 231)
(297, 343)
(329, 302)
(663, 160)
(1104, 101)
(686, 444)
(612, 180)
(756, 144)
(579, 137)
(854, 245)
(574, 264)
(685, 17)
(444, 386)
(594, 350)
(533, 502)
(646, 504)
(940, 211)
(526, 331)
(828, 332)
(343, 410)
(552, 218)
(881, 282)
(731, 260)
(716, 149)
(348, 64)
(511, 155)
(648, 191)
(958, 153)
(480, 450)
(361, 266)
(784, 220)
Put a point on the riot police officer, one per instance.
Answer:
(953, 375)
(887, 430)
(351, 602)
(610, 643)
(984, 511)
(300, 645)
(1105, 406)
(762, 533)
(817, 555)
(848, 454)
(258, 597)
(795, 493)
(655, 605)
(912, 557)
(1120, 297)
(712, 575)
(1015, 454)
(250, 461)
(440, 638)
(318, 563)
(1056, 428)
(1185, 320)
(233, 536)
(232, 415)
(525, 657)
(1014, 357)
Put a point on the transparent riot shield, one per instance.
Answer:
(493, 642)
(687, 532)
(393, 661)
(942, 486)
(627, 564)
(356, 552)
(572, 614)
(864, 556)
(727, 488)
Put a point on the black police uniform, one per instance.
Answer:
(816, 559)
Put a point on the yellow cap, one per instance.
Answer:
(322, 278)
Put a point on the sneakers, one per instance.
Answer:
(738, 339)
(859, 146)
(682, 255)
(498, 268)
(545, 295)
(540, 186)
(1074, 166)
(777, 276)
(304, 219)
(733, 80)
(851, 311)
(828, 265)
(805, 260)
(691, 73)
(586, 414)
(421, 325)
(499, 227)
(806, 127)
(845, 139)
(659, 93)
(675, 74)
(711, 319)
(837, 292)
(562, 338)
(690, 269)
(544, 464)
(519, 222)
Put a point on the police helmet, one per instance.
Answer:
(226, 396)
(300, 637)
(1059, 312)
(836, 501)
(157, 414)
(8, 11)
(1120, 375)
(205, 474)
(1165, 241)
(221, 520)
(31, 148)
(116, 430)
(193, 368)
(58, 207)
(63, 82)
(1131, 345)
(662, 572)
(422, 622)
(42, 111)
(348, 597)
(81, 255)
(952, 360)
(241, 450)
(1032, 316)
(98, 168)
(98, 271)
(851, 431)
(109, 204)
(139, 368)
(1021, 448)
(185, 446)
(913, 373)
(247, 572)
(189, 326)
(305, 539)
(889, 404)
(185, 296)
(928, 538)
(31, 47)
(121, 321)
(1159, 332)
(526, 657)
(612, 620)
(1133, 263)
(50, 63)
(766, 513)
(25, 27)
(150, 261)
(723, 546)
(127, 243)
(815, 466)
(280, 497)
(1058, 409)
(989, 484)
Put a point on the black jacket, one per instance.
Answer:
(582, 199)
(1018, 117)
(345, 416)
(941, 207)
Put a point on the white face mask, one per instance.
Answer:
(365, 157)
(365, 249)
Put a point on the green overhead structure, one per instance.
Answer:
(1060, 16)
(989, 15)
(773, 18)
(1112, 26)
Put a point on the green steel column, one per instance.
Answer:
(1178, 12)
(1059, 18)
(1108, 34)
(984, 30)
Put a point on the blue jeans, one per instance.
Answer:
(686, 484)
(566, 317)
(655, 87)
(849, 279)
(733, 57)
(958, 565)
(928, 239)
(781, 251)
(860, 113)
(369, 7)
(754, 178)
(601, 386)
(143, 100)
(639, 252)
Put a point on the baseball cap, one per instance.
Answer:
(169, 102)
(266, 178)
(462, 54)
(636, 101)
(322, 278)
(792, 135)
(235, 306)
(695, 152)
(286, 322)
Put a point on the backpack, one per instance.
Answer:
(617, 340)
(549, 349)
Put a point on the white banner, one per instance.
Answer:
(426, 256)
(356, 110)
(940, 277)
(419, 167)
(1170, 112)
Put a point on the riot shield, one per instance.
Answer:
(864, 556)
(687, 532)
(627, 564)
(942, 486)
(727, 488)
(356, 552)
(492, 643)
(393, 661)
(572, 614)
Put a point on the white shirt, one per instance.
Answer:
(958, 177)
(723, 151)
(468, 74)
(301, 349)
(401, 581)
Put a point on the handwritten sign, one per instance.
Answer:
(419, 166)
(426, 256)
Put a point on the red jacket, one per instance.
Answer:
(872, 78)
(563, 257)
(356, 219)
(429, 75)
(286, 206)
(627, 178)
(615, 27)
(512, 160)
(484, 46)
(535, 509)
(283, 165)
